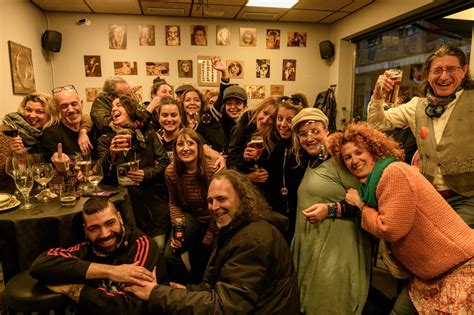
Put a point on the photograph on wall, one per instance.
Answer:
(248, 37)
(277, 89)
(21, 65)
(289, 70)
(207, 75)
(185, 68)
(263, 68)
(117, 36)
(173, 35)
(146, 35)
(297, 39)
(235, 68)
(199, 35)
(157, 68)
(92, 66)
(222, 35)
(273, 39)
(125, 68)
(92, 93)
(137, 93)
(255, 91)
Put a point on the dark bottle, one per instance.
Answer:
(178, 229)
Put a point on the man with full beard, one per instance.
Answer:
(94, 273)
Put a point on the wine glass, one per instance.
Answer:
(24, 182)
(42, 174)
(9, 130)
(256, 142)
(84, 164)
(95, 175)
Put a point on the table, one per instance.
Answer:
(24, 235)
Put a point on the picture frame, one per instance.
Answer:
(207, 75)
(22, 71)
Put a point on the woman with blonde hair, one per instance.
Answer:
(400, 206)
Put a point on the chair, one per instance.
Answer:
(24, 294)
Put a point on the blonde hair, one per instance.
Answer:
(48, 104)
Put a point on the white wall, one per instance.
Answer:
(24, 24)
(79, 40)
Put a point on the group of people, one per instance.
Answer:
(288, 227)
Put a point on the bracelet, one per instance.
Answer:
(332, 209)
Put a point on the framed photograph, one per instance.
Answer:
(262, 68)
(273, 39)
(21, 65)
(222, 35)
(277, 89)
(92, 66)
(137, 93)
(185, 68)
(207, 75)
(157, 68)
(236, 69)
(199, 35)
(125, 68)
(255, 91)
(173, 35)
(92, 93)
(297, 39)
(248, 37)
(146, 35)
(289, 70)
(117, 36)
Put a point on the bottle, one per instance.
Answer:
(178, 229)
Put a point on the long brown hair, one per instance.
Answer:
(179, 167)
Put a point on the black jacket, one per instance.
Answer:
(240, 135)
(69, 265)
(250, 272)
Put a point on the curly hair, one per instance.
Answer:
(110, 87)
(376, 142)
(252, 203)
(49, 107)
(179, 167)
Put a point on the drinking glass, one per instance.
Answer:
(68, 195)
(391, 97)
(256, 142)
(9, 130)
(43, 173)
(126, 135)
(84, 165)
(24, 182)
(95, 175)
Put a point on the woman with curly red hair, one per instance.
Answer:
(400, 206)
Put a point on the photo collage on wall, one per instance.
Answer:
(199, 36)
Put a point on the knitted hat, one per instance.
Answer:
(307, 114)
(235, 92)
(182, 88)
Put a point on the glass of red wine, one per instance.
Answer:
(9, 131)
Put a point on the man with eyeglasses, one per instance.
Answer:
(67, 132)
(102, 105)
(442, 123)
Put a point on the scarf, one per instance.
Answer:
(367, 190)
(438, 104)
(29, 135)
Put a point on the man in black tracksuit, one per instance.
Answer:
(94, 273)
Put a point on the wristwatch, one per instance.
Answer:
(332, 209)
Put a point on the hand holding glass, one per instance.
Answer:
(256, 143)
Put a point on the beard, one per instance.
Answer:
(105, 251)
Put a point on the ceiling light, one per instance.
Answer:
(286, 4)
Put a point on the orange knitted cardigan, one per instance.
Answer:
(424, 232)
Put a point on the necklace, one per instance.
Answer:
(284, 190)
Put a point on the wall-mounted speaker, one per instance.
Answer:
(51, 40)
(326, 48)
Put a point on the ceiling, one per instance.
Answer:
(310, 11)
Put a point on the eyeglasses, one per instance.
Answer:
(311, 133)
(449, 70)
(294, 99)
(66, 88)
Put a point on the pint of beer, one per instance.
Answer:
(392, 96)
